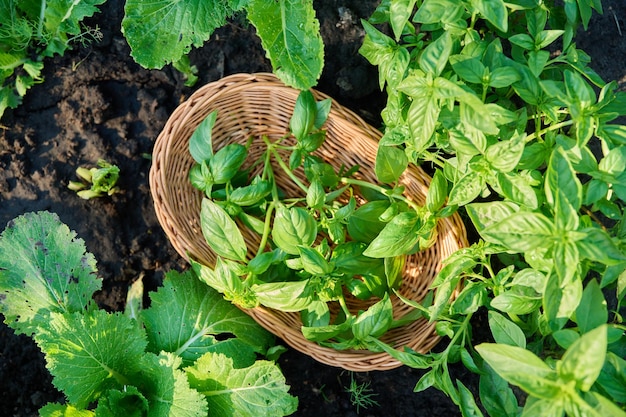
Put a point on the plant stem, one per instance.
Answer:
(541, 132)
(266, 228)
(378, 188)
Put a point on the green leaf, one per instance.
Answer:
(200, 142)
(303, 116)
(434, 57)
(365, 224)
(521, 232)
(293, 227)
(65, 410)
(290, 34)
(375, 321)
(560, 300)
(77, 342)
(437, 192)
(251, 194)
(522, 368)
(122, 403)
(592, 311)
(400, 12)
(313, 261)
(467, 189)
(486, 214)
(468, 405)
(470, 299)
(496, 395)
(494, 11)
(188, 319)
(398, 237)
(226, 162)
(505, 331)
(513, 302)
(561, 177)
(160, 32)
(167, 389)
(315, 196)
(283, 296)
(221, 232)
(505, 155)
(583, 360)
(390, 163)
(256, 391)
(43, 269)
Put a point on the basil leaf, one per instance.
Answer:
(375, 321)
(313, 262)
(390, 163)
(583, 360)
(398, 237)
(252, 194)
(201, 143)
(521, 232)
(364, 224)
(293, 227)
(505, 331)
(283, 296)
(226, 162)
(221, 232)
(303, 117)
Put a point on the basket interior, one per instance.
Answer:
(256, 107)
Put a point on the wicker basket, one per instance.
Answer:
(257, 105)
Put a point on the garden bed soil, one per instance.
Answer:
(97, 103)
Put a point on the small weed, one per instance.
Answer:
(361, 394)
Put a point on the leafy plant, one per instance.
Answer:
(316, 248)
(177, 357)
(32, 30)
(361, 394)
(162, 32)
(101, 181)
(496, 100)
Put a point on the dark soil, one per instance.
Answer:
(96, 102)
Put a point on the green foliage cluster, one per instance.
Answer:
(313, 249)
(96, 181)
(189, 354)
(496, 99)
(31, 30)
(161, 32)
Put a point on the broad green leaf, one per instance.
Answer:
(518, 189)
(496, 395)
(503, 77)
(256, 391)
(438, 11)
(226, 162)
(516, 302)
(188, 319)
(84, 355)
(313, 261)
(365, 224)
(293, 227)
(398, 237)
(375, 321)
(522, 368)
(583, 360)
(390, 163)
(167, 389)
(400, 12)
(521, 232)
(603, 406)
(470, 299)
(422, 118)
(283, 296)
(251, 194)
(160, 32)
(434, 57)
(290, 34)
(543, 407)
(494, 11)
(468, 68)
(468, 405)
(437, 192)
(201, 143)
(44, 268)
(63, 410)
(560, 300)
(592, 310)
(486, 214)
(315, 196)
(221, 232)
(303, 117)
(467, 189)
(505, 331)
(505, 155)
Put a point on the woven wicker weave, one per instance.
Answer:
(257, 105)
